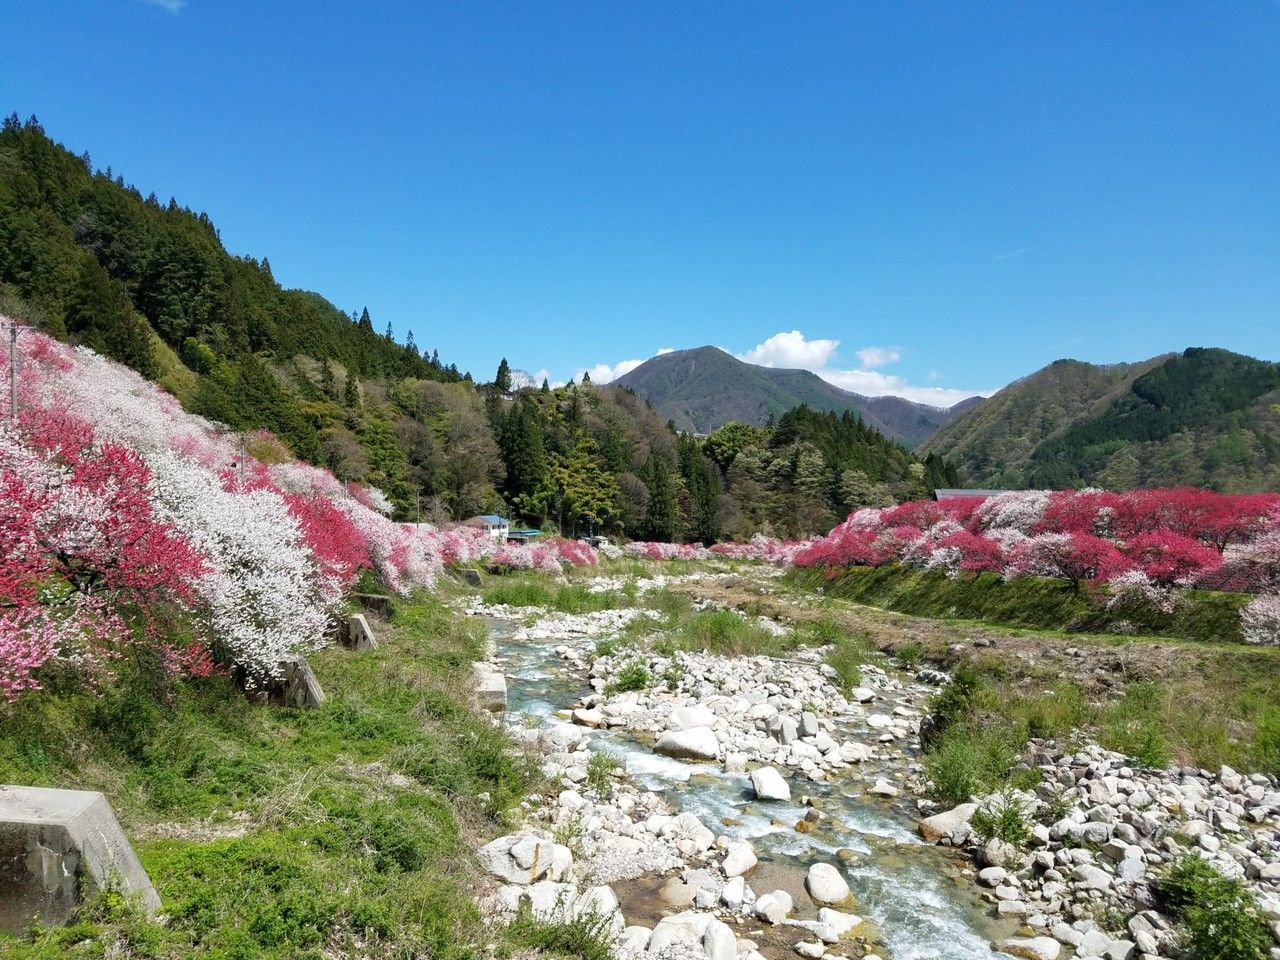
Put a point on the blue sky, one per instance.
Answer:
(920, 199)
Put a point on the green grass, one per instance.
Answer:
(1218, 918)
(1003, 818)
(585, 937)
(601, 768)
(357, 817)
(569, 598)
(632, 677)
(728, 633)
(1033, 602)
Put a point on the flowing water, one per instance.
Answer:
(907, 887)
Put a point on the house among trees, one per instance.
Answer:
(492, 524)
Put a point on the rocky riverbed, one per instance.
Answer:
(751, 808)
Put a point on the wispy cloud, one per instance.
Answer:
(873, 357)
(172, 6)
(1010, 254)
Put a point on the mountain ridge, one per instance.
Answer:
(703, 388)
(1205, 416)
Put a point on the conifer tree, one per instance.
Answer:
(663, 511)
(365, 322)
(502, 379)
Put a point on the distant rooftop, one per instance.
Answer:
(953, 494)
(489, 519)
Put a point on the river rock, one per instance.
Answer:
(600, 901)
(768, 784)
(686, 718)
(686, 928)
(1031, 948)
(551, 901)
(518, 857)
(739, 858)
(719, 942)
(695, 743)
(946, 826)
(825, 885)
(774, 907)
(634, 940)
(811, 949)
(833, 924)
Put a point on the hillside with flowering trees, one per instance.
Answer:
(1143, 544)
(132, 528)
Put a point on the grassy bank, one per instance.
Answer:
(1032, 602)
(1159, 699)
(341, 831)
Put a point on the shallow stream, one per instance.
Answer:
(909, 889)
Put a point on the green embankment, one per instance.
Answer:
(1030, 602)
(340, 831)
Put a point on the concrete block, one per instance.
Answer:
(374, 603)
(359, 637)
(491, 688)
(296, 686)
(55, 844)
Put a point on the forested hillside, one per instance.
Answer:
(90, 260)
(1206, 417)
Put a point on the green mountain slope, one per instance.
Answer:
(1207, 417)
(704, 388)
(92, 261)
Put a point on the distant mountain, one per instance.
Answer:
(705, 388)
(1206, 417)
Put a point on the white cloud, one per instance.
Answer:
(873, 357)
(603, 373)
(791, 350)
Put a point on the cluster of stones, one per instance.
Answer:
(574, 845)
(1099, 858)
(631, 832)
(748, 711)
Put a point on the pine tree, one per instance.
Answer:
(546, 387)
(326, 379)
(502, 379)
(365, 322)
(410, 344)
(586, 378)
(524, 451)
(351, 394)
(389, 336)
(702, 480)
(100, 315)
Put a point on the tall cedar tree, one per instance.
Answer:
(502, 379)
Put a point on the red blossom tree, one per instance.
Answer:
(1169, 558)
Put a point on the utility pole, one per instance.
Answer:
(13, 370)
